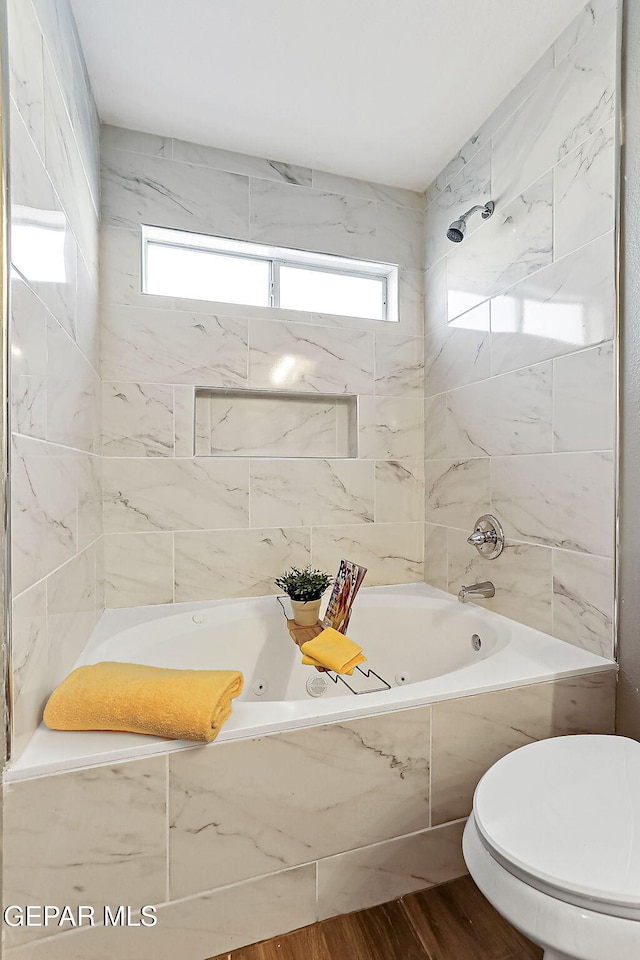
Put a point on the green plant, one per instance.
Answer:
(304, 585)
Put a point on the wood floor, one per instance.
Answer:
(450, 922)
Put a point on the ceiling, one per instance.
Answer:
(383, 90)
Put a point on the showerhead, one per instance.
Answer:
(456, 231)
(458, 228)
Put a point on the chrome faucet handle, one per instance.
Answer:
(478, 538)
(487, 537)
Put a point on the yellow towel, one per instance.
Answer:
(334, 651)
(178, 704)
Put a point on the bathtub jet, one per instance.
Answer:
(458, 228)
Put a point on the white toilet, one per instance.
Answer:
(554, 844)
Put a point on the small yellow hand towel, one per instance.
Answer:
(177, 704)
(334, 651)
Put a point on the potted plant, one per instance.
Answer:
(304, 588)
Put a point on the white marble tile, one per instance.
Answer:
(138, 569)
(458, 354)
(386, 871)
(294, 356)
(399, 236)
(350, 187)
(28, 361)
(472, 733)
(100, 577)
(213, 564)
(583, 601)
(120, 270)
(29, 653)
(166, 346)
(184, 420)
(241, 163)
(435, 297)
(470, 187)
(71, 612)
(584, 400)
(65, 167)
(292, 216)
(257, 807)
(37, 219)
(580, 26)
(399, 365)
(137, 419)
(292, 493)
(563, 308)
(585, 193)
(505, 109)
(547, 499)
(391, 428)
(435, 427)
(87, 313)
(238, 915)
(570, 104)
(72, 392)
(399, 491)
(502, 415)
(217, 921)
(63, 45)
(173, 494)
(392, 552)
(25, 67)
(89, 481)
(119, 138)
(457, 492)
(515, 242)
(54, 852)
(435, 556)
(410, 303)
(521, 575)
(141, 189)
(43, 509)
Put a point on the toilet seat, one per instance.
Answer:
(563, 815)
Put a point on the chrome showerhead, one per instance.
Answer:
(458, 228)
(456, 231)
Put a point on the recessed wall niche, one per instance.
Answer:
(258, 423)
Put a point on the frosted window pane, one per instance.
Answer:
(202, 275)
(313, 290)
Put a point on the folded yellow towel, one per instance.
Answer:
(334, 651)
(177, 704)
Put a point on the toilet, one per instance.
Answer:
(554, 844)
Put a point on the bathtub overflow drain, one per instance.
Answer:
(259, 688)
(476, 642)
(317, 685)
(402, 678)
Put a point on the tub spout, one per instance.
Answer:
(484, 590)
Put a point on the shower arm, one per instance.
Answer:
(486, 210)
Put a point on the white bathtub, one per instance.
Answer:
(419, 639)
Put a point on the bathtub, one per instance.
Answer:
(419, 640)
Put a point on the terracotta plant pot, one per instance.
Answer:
(305, 614)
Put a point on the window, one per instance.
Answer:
(197, 267)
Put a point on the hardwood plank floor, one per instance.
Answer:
(449, 922)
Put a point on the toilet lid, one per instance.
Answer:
(564, 816)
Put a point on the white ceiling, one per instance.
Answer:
(383, 90)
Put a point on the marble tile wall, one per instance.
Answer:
(234, 842)
(520, 392)
(180, 527)
(55, 384)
